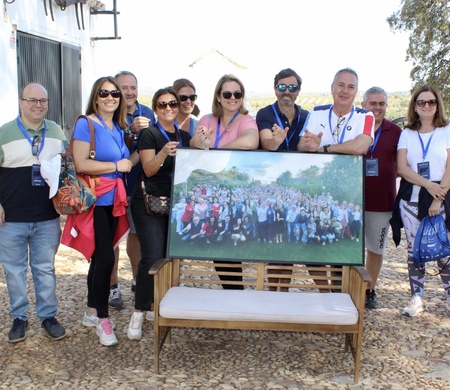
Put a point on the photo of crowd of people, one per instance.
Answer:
(287, 217)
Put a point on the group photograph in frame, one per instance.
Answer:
(286, 207)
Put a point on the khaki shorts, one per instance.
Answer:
(376, 227)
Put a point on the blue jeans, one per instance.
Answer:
(35, 243)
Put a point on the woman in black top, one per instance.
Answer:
(157, 147)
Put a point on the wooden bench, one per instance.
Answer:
(188, 294)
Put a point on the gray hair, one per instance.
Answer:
(373, 91)
(346, 70)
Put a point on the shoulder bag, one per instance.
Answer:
(156, 206)
(76, 192)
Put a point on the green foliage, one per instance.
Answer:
(341, 177)
(429, 44)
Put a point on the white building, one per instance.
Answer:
(42, 42)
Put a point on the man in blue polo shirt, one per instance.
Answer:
(139, 117)
(280, 123)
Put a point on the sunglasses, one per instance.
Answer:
(104, 93)
(192, 98)
(423, 103)
(35, 145)
(283, 87)
(337, 129)
(163, 105)
(227, 95)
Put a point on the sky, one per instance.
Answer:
(159, 40)
(267, 169)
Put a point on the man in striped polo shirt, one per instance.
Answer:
(29, 225)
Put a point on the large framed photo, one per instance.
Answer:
(267, 206)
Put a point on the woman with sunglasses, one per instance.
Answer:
(229, 126)
(157, 147)
(106, 221)
(185, 118)
(422, 162)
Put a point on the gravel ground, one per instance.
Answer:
(398, 352)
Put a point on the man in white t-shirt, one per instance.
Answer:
(339, 127)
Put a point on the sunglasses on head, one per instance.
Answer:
(283, 87)
(192, 98)
(163, 105)
(35, 145)
(422, 103)
(104, 93)
(227, 95)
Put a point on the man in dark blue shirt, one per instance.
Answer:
(280, 123)
(139, 117)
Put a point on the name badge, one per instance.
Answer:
(423, 169)
(36, 179)
(372, 167)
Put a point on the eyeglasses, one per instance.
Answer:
(292, 87)
(35, 145)
(33, 101)
(337, 129)
(163, 105)
(192, 98)
(227, 95)
(104, 93)
(423, 103)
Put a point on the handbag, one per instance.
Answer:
(76, 191)
(156, 206)
(431, 242)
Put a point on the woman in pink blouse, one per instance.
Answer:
(229, 126)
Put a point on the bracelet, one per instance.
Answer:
(117, 168)
(427, 184)
(157, 161)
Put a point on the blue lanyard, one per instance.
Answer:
(166, 136)
(277, 117)
(343, 127)
(377, 137)
(116, 128)
(218, 134)
(425, 149)
(191, 127)
(24, 132)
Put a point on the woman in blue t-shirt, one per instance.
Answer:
(107, 111)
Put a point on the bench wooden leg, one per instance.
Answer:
(160, 335)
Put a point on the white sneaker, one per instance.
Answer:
(106, 333)
(92, 320)
(150, 315)
(415, 306)
(135, 328)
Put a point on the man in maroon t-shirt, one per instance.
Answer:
(380, 186)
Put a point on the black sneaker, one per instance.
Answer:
(53, 328)
(115, 297)
(371, 299)
(17, 332)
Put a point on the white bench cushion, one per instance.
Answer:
(265, 306)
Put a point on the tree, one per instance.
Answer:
(428, 22)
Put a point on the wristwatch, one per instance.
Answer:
(325, 148)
